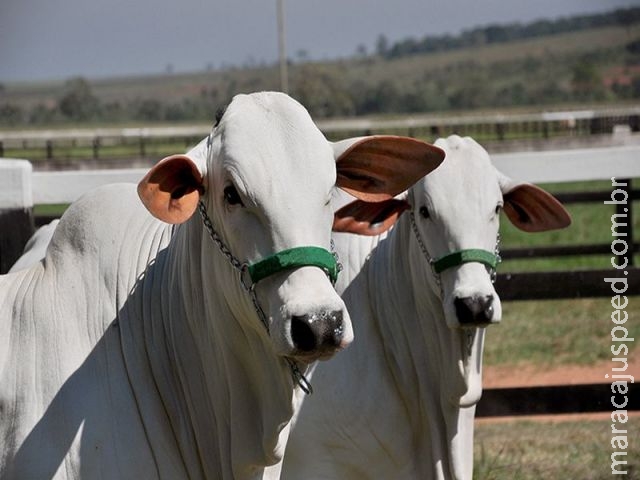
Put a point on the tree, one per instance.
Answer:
(586, 81)
(382, 46)
(78, 102)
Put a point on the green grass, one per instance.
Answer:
(49, 210)
(539, 450)
(556, 332)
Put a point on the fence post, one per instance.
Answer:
(96, 147)
(16, 210)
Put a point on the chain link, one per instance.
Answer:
(237, 264)
(423, 247)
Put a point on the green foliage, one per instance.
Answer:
(78, 102)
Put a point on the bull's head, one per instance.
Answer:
(266, 181)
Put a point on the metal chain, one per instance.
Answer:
(332, 246)
(237, 264)
(423, 247)
(496, 251)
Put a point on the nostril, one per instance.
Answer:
(302, 335)
(463, 310)
(474, 310)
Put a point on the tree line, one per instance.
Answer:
(495, 33)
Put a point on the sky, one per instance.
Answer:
(58, 39)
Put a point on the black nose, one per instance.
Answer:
(317, 332)
(474, 311)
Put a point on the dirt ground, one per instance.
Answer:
(528, 376)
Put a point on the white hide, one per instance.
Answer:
(36, 247)
(132, 351)
(400, 402)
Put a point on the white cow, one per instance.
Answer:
(133, 350)
(400, 402)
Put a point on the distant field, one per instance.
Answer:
(552, 46)
(408, 69)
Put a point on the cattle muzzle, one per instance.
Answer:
(476, 311)
(317, 335)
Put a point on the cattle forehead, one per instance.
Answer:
(271, 138)
(467, 171)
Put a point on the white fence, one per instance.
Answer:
(48, 187)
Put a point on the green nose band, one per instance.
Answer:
(465, 256)
(294, 258)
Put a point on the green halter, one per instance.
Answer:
(465, 256)
(294, 258)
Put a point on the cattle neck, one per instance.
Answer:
(410, 317)
(251, 274)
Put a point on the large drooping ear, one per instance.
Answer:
(368, 218)
(530, 208)
(380, 167)
(171, 189)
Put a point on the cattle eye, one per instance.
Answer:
(231, 196)
(498, 208)
(424, 211)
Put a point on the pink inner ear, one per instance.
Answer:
(366, 218)
(532, 209)
(171, 189)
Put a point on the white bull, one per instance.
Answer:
(400, 402)
(132, 350)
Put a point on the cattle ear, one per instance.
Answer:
(366, 218)
(532, 209)
(380, 167)
(171, 189)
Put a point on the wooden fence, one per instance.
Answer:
(21, 188)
